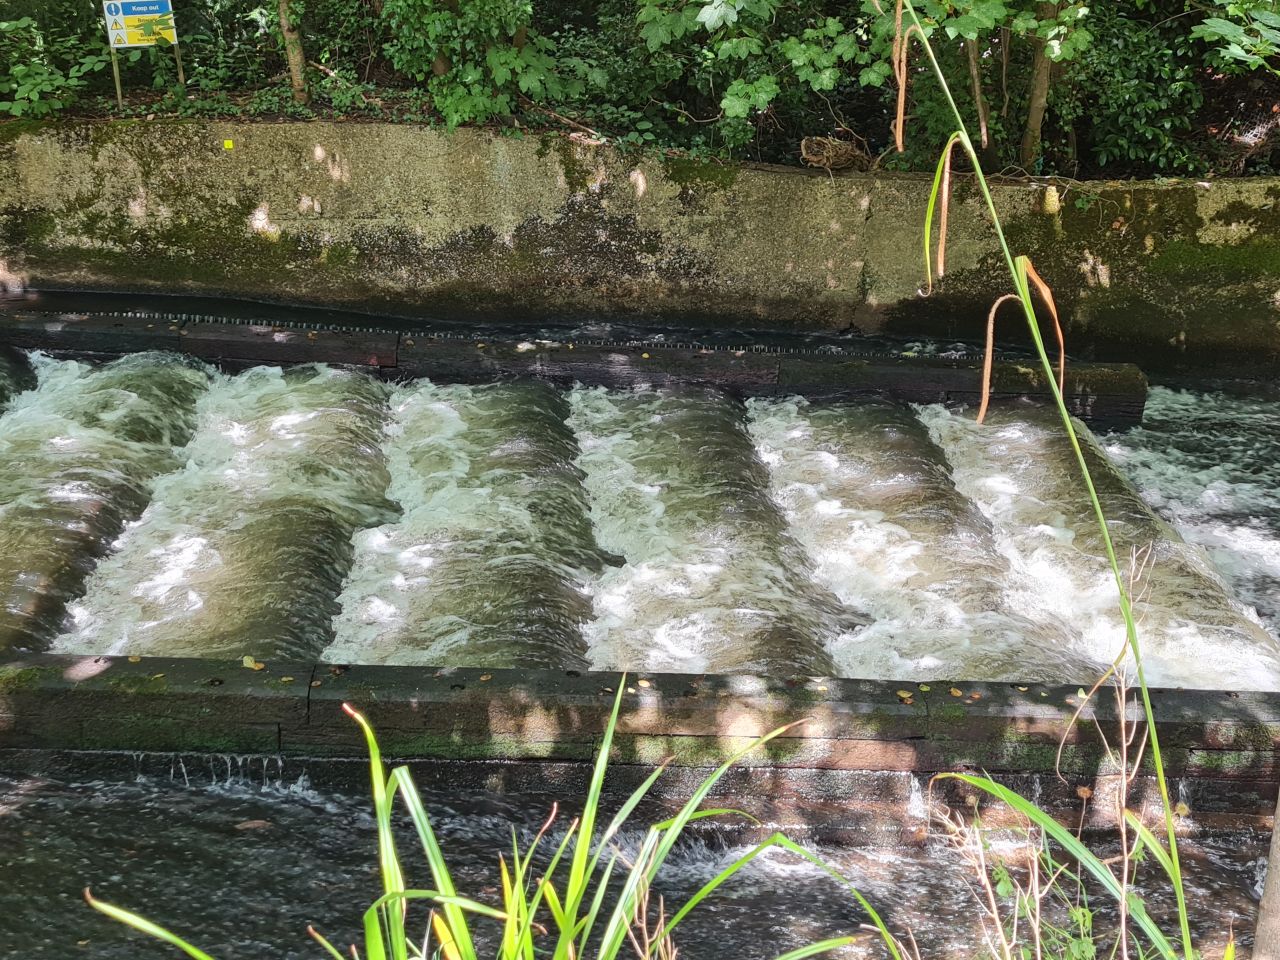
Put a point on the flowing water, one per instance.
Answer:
(713, 580)
(78, 454)
(1209, 462)
(241, 861)
(490, 562)
(243, 551)
(155, 506)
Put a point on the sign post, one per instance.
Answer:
(140, 23)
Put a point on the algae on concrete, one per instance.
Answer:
(416, 220)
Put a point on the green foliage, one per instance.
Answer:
(476, 57)
(41, 74)
(1248, 33)
(729, 63)
(1134, 94)
(1131, 88)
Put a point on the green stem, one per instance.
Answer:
(1126, 606)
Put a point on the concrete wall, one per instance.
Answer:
(413, 220)
(1223, 746)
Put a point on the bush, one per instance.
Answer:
(41, 74)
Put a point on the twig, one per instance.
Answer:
(560, 118)
(329, 73)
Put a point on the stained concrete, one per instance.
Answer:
(421, 221)
(854, 735)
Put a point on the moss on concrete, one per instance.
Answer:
(13, 679)
(417, 220)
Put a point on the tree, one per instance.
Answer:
(294, 55)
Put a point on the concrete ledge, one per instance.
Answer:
(1106, 393)
(854, 729)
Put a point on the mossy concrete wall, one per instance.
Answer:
(412, 220)
(1224, 747)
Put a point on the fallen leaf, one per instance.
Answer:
(248, 662)
(957, 692)
(904, 694)
(925, 688)
(135, 659)
(485, 676)
(317, 683)
(1023, 689)
(253, 825)
(644, 683)
(286, 679)
(1182, 809)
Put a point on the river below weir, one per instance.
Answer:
(241, 862)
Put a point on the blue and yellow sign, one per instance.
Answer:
(139, 23)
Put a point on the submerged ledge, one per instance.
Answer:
(1223, 745)
(1107, 394)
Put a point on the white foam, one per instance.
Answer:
(1022, 476)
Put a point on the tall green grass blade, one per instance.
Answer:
(557, 911)
(1148, 840)
(374, 945)
(1075, 848)
(615, 929)
(662, 838)
(454, 917)
(576, 888)
(932, 207)
(624, 813)
(1018, 271)
(708, 814)
(388, 859)
(472, 906)
(143, 925)
(601, 888)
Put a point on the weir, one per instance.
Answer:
(472, 536)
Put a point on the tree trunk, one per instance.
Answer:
(1038, 100)
(1266, 937)
(293, 54)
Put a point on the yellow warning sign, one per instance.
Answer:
(140, 23)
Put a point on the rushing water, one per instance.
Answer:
(243, 551)
(78, 455)
(713, 580)
(489, 564)
(241, 862)
(870, 495)
(1209, 461)
(1019, 468)
(155, 506)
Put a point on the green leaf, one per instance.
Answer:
(143, 925)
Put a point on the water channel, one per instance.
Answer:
(156, 506)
